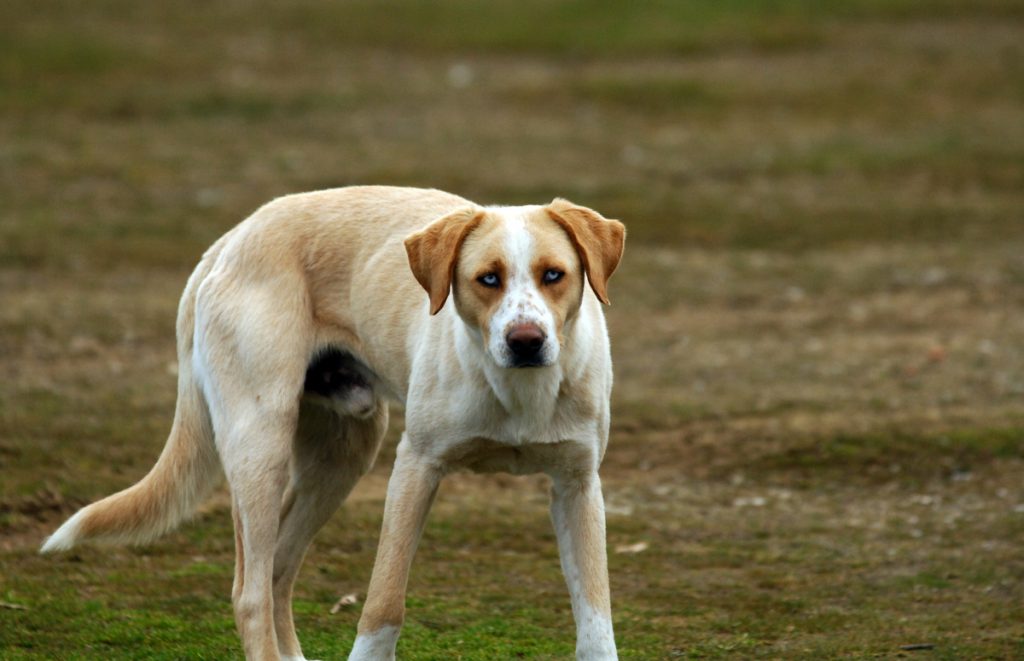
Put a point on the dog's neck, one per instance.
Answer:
(527, 392)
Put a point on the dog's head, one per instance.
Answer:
(517, 273)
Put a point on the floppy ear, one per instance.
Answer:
(598, 240)
(433, 250)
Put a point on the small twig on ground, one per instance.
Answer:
(348, 600)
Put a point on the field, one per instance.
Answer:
(818, 328)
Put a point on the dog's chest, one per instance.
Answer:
(517, 434)
(517, 431)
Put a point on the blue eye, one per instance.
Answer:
(552, 276)
(489, 280)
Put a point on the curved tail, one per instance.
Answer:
(183, 476)
(185, 473)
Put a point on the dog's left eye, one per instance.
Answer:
(552, 275)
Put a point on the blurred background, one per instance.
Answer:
(817, 328)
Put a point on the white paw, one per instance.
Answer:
(376, 646)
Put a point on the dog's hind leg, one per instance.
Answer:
(258, 477)
(236, 519)
(253, 339)
(330, 454)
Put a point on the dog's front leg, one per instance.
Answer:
(411, 491)
(577, 511)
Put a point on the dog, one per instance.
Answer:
(298, 327)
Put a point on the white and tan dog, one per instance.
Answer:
(299, 324)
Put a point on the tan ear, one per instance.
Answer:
(598, 240)
(433, 250)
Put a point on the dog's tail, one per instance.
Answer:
(183, 476)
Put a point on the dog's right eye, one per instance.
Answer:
(489, 280)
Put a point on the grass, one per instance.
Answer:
(817, 428)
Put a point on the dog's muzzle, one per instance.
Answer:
(526, 342)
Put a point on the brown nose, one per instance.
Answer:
(525, 341)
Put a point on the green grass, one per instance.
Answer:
(790, 589)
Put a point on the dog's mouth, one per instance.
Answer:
(538, 361)
(518, 363)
